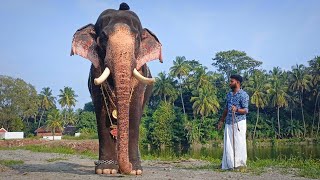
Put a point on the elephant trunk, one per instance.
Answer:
(120, 52)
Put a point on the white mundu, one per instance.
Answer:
(240, 145)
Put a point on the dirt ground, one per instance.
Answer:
(59, 166)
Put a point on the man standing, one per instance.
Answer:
(235, 146)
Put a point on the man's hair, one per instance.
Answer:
(124, 6)
(236, 77)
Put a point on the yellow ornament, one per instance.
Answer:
(114, 114)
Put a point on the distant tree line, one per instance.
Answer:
(23, 109)
(187, 102)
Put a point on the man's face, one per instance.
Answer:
(233, 83)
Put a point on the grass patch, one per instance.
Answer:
(49, 149)
(309, 168)
(89, 154)
(83, 136)
(56, 159)
(11, 162)
(53, 149)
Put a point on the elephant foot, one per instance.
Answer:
(106, 167)
(136, 168)
(136, 172)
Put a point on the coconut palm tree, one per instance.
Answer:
(67, 99)
(54, 121)
(71, 117)
(256, 85)
(300, 82)
(315, 87)
(180, 69)
(47, 101)
(205, 102)
(164, 87)
(277, 91)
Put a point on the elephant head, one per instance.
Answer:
(118, 46)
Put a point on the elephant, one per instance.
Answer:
(120, 83)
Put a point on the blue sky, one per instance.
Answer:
(36, 35)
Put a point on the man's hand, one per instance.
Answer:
(234, 108)
(220, 124)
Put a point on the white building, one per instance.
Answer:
(4, 134)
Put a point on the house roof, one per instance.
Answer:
(43, 129)
(3, 130)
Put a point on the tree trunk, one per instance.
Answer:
(291, 122)
(53, 132)
(304, 123)
(314, 115)
(318, 121)
(278, 115)
(65, 117)
(200, 129)
(184, 111)
(40, 119)
(255, 127)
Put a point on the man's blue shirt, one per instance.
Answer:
(241, 100)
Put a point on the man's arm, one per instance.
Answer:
(223, 118)
(240, 110)
(224, 115)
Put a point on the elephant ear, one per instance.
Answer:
(84, 44)
(150, 48)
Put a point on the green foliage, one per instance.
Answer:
(163, 119)
(67, 97)
(189, 99)
(89, 107)
(165, 88)
(87, 122)
(234, 62)
(18, 100)
(54, 122)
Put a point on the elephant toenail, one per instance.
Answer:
(106, 171)
(113, 171)
(139, 172)
(99, 171)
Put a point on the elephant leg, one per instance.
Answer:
(134, 122)
(107, 163)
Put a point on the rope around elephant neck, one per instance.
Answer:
(105, 102)
(111, 100)
(110, 96)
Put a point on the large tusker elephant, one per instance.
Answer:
(120, 83)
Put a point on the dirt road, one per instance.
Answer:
(59, 166)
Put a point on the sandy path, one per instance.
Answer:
(37, 166)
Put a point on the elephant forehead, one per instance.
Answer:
(110, 18)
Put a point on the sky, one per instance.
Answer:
(36, 35)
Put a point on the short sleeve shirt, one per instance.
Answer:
(241, 100)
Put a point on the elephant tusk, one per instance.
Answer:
(103, 77)
(143, 79)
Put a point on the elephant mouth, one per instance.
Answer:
(136, 74)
